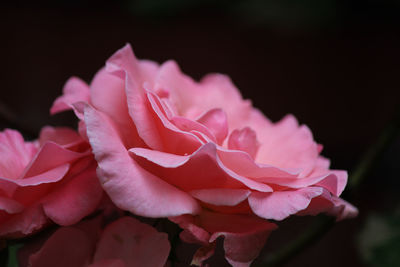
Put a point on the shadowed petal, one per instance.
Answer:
(24, 223)
(221, 196)
(244, 235)
(65, 248)
(136, 243)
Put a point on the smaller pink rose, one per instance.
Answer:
(123, 243)
(52, 179)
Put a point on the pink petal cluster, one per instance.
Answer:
(52, 179)
(198, 153)
(123, 243)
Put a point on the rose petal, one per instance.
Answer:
(173, 139)
(337, 185)
(15, 153)
(62, 136)
(69, 203)
(30, 190)
(10, 205)
(51, 155)
(319, 204)
(331, 205)
(24, 223)
(342, 209)
(244, 235)
(203, 167)
(129, 185)
(188, 125)
(65, 248)
(193, 99)
(108, 95)
(241, 163)
(217, 122)
(244, 139)
(133, 242)
(221, 196)
(287, 145)
(124, 64)
(281, 204)
(75, 90)
(51, 176)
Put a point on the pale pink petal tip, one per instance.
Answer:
(75, 90)
(281, 204)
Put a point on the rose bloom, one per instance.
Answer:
(52, 179)
(125, 242)
(196, 152)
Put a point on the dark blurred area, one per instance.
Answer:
(333, 64)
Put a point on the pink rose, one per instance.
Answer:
(123, 243)
(196, 152)
(51, 179)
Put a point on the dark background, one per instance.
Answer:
(333, 64)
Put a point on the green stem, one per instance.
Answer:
(12, 255)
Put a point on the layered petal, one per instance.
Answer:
(281, 204)
(192, 99)
(10, 205)
(75, 90)
(129, 185)
(15, 153)
(244, 139)
(41, 181)
(217, 122)
(342, 209)
(287, 145)
(134, 73)
(172, 138)
(50, 156)
(221, 196)
(70, 202)
(29, 221)
(62, 136)
(108, 95)
(204, 168)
